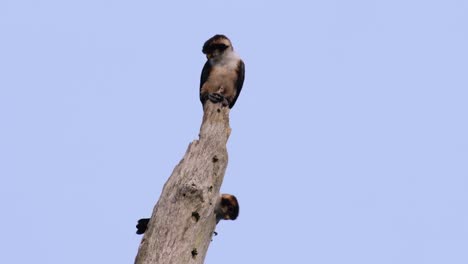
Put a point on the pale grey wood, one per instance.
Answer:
(174, 233)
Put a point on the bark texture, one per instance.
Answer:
(183, 220)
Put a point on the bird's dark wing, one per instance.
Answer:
(239, 82)
(204, 76)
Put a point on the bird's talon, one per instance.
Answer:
(216, 98)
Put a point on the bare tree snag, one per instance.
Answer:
(183, 220)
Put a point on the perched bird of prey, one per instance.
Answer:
(223, 74)
(227, 208)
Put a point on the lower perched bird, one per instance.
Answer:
(223, 74)
(227, 208)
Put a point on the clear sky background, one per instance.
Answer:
(349, 141)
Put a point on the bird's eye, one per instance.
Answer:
(219, 47)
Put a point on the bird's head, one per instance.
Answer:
(228, 208)
(216, 46)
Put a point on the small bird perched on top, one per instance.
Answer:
(223, 74)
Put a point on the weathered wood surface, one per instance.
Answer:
(183, 220)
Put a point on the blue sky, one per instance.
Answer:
(349, 140)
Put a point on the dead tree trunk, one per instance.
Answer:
(183, 220)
